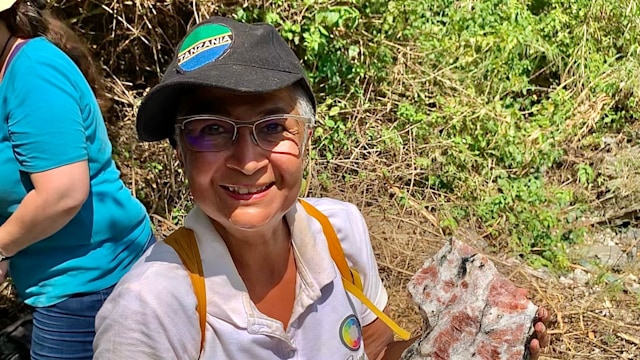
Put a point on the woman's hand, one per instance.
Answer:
(541, 338)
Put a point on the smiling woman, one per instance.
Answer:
(223, 179)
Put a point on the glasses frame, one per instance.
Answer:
(309, 123)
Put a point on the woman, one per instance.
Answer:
(68, 224)
(239, 111)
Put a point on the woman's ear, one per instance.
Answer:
(180, 156)
(307, 143)
(177, 147)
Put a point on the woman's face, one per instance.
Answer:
(244, 187)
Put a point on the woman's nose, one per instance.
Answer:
(246, 156)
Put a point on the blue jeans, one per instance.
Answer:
(66, 330)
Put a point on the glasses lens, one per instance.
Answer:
(280, 134)
(208, 134)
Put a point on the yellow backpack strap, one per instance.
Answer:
(183, 241)
(350, 277)
(335, 248)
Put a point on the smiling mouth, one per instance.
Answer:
(246, 190)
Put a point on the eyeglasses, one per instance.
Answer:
(282, 133)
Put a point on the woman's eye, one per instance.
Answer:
(272, 127)
(213, 129)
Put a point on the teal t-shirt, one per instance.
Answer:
(49, 118)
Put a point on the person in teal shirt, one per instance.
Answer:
(69, 228)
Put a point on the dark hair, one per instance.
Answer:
(29, 19)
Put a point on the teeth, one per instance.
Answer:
(243, 191)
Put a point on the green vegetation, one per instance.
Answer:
(488, 113)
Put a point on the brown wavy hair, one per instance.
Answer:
(29, 19)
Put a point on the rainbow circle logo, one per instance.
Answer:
(204, 45)
(351, 333)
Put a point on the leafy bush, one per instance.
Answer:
(511, 88)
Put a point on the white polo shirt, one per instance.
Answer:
(151, 313)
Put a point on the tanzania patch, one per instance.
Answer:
(351, 333)
(204, 45)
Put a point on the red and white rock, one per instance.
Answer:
(473, 311)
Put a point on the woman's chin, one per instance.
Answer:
(249, 222)
(247, 226)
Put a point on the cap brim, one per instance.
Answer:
(158, 110)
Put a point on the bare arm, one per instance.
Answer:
(57, 197)
(379, 343)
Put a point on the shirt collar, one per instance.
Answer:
(315, 267)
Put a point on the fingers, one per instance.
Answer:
(534, 349)
(541, 327)
(541, 335)
(543, 315)
(541, 339)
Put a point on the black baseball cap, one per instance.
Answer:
(223, 53)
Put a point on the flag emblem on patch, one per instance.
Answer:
(204, 45)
